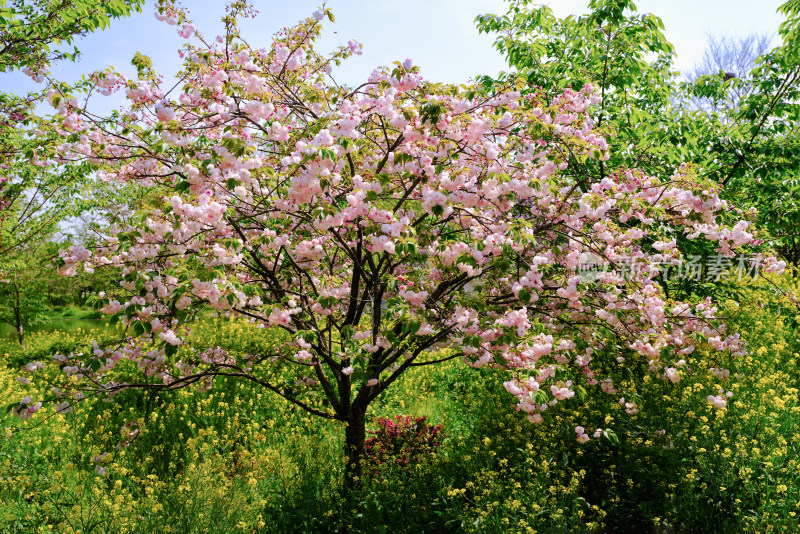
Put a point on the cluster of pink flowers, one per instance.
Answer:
(583, 437)
(38, 74)
(720, 401)
(26, 408)
(108, 82)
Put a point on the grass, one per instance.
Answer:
(238, 459)
(58, 313)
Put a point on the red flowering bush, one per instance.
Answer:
(401, 441)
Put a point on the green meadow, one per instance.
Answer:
(239, 459)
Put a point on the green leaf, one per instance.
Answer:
(611, 436)
(402, 158)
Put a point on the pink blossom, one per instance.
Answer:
(170, 337)
(164, 113)
(186, 30)
(672, 375)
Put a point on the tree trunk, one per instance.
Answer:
(354, 437)
(21, 337)
(18, 319)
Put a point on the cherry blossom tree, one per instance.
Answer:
(387, 226)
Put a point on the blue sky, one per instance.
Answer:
(439, 35)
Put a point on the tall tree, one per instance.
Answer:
(625, 55)
(35, 194)
(757, 154)
(736, 143)
(23, 288)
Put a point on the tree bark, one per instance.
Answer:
(354, 437)
(18, 320)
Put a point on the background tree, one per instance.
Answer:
(35, 194)
(23, 287)
(732, 58)
(756, 156)
(29, 28)
(655, 126)
(625, 55)
(38, 196)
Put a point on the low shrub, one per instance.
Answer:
(401, 441)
